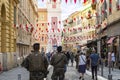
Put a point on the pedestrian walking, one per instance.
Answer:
(48, 56)
(87, 62)
(72, 58)
(77, 59)
(113, 59)
(94, 60)
(58, 61)
(68, 56)
(82, 65)
(36, 63)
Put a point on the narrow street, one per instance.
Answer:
(71, 74)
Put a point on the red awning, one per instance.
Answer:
(110, 40)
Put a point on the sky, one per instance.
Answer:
(67, 8)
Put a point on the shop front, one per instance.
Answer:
(113, 41)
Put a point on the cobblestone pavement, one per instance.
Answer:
(71, 74)
(13, 74)
(115, 73)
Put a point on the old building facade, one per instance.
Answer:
(26, 21)
(7, 33)
(54, 17)
(109, 26)
(80, 27)
(43, 28)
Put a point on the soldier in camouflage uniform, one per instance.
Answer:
(36, 63)
(59, 61)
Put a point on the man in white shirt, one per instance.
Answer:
(82, 65)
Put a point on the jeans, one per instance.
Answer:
(94, 71)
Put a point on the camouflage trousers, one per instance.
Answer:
(58, 74)
(37, 76)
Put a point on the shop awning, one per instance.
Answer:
(110, 40)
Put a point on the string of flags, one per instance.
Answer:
(79, 38)
(66, 1)
(31, 28)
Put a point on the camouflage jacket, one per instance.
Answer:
(35, 62)
(58, 60)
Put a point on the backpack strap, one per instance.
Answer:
(83, 59)
(59, 61)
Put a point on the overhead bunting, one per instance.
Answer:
(66, 1)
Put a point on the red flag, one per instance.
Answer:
(66, 21)
(54, 23)
(48, 24)
(42, 24)
(64, 30)
(81, 17)
(31, 25)
(85, 1)
(53, 29)
(103, 11)
(68, 29)
(101, 1)
(15, 25)
(26, 27)
(46, 29)
(66, 1)
(79, 28)
(93, 1)
(59, 22)
(39, 29)
(58, 30)
(118, 7)
(75, 1)
(74, 19)
(20, 25)
(32, 29)
(54, 0)
(37, 25)
(110, 1)
(110, 9)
